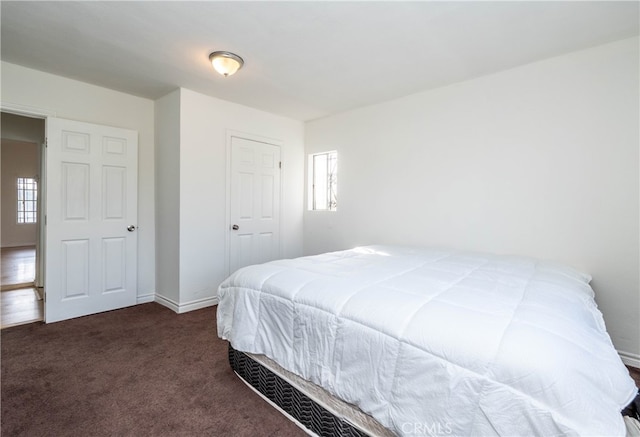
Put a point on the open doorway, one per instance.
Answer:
(21, 296)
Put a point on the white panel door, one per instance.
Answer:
(255, 203)
(91, 201)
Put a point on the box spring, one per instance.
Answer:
(310, 407)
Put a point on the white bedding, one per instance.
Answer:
(434, 342)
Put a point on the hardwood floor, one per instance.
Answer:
(21, 306)
(18, 266)
(20, 302)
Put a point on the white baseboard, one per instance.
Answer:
(186, 306)
(169, 303)
(198, 304)
(146, 298)
(630, 359)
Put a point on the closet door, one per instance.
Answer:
(255, 203)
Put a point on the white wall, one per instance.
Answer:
(202, 158)
(19, 159)
(167, 135)
(71, 99)
(541, 160)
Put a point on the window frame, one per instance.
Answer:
(26, 209)
(330, 178)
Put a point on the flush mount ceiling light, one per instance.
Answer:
(226, 63)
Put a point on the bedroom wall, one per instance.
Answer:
(67, 98)
(201, 228)
(167, 167)
(540, 160)
(19, 159)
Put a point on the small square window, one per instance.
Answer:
(323, 172)
(27, 200)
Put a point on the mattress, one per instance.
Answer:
(433, 341)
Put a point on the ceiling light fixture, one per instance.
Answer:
(226, 63)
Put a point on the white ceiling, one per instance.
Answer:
(302, 59)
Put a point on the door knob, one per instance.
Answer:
(131, 228)
(235, 227)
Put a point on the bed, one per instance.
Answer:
(435, 342)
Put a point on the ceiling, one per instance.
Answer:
(303, 60)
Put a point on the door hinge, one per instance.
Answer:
(45, 220)
(280, 165)
(46, 142)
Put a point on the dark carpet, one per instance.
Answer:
(139, 371)
(635, 374)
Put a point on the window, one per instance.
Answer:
(323, 181)
(27, 200)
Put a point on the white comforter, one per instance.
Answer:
(433, 342)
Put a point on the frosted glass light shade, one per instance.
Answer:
(226, 63)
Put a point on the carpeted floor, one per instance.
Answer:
(635, 374)
(140, 371)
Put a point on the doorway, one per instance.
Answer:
(21, 295)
